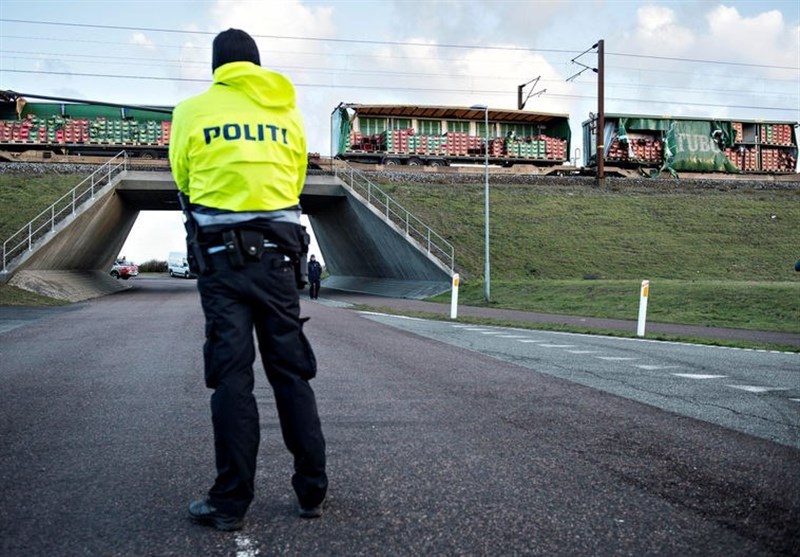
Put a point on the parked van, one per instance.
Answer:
(178, 266)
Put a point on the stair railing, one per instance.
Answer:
(392, 211)
(45, 222)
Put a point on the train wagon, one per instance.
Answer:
(416, 135)
(62, 130)
(652, 144)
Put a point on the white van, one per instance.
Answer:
(178, 266)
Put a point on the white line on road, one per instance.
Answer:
(491, 333)
(699, 376)
(615, 358)
(756, 388)
(656, 368)
(557, 345)
(530, 340)
(512, 336)
(245, 547)
(583, 351)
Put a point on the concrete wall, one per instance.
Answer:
(91, 241)
(364, 254)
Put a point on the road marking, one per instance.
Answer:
(699, 376)
(245, 547)
(615, 358)
(795, 399)
(512, 336)
(655, 368)
(530, 340)
(476, 330)
(756, 388)
(583, 351)
(558, 345)
(491, 333)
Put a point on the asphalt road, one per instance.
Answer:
(442, 440)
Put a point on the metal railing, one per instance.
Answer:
(45, 222)
(395, 213)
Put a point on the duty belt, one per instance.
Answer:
(268, 245)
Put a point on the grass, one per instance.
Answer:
(715, 255)
(13, 296)
(759, 306)
(23, 196)
(550, 231)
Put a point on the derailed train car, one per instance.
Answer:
(653, 144)
(52, 131)
(445, 135)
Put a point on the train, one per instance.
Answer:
(70, 131)
(407, 136)
(393, 135)
(653, 144)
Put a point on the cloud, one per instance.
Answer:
(140, 39)
(658, 31)
(719, 34)
(763, 39)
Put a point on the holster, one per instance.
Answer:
(300, 262)
(194, 251)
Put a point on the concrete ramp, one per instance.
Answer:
(412, 289)
(73, 286)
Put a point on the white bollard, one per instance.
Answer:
(454, 298)
(644, 293)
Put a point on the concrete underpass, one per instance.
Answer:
(363, 250)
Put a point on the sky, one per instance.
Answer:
(729, 59)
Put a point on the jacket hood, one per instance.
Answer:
(263, 86)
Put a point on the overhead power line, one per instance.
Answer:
(400, 88)
(145, 62)
(286, 37)
(391, 43)
(699, 61)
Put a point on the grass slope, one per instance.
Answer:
(23, 196)
(715, 256)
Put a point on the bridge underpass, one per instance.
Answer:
(364, 251)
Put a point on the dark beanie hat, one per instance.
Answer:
(234, 45)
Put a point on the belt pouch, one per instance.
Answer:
(233, 249)
(252, 243)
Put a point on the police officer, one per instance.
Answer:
(314, 276)
(238, 152)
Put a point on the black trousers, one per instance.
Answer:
(262, 295)
(313, 289)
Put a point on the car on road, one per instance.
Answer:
(124, 269)
(178, 266)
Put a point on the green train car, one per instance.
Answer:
(654, 144)
(49, 130)
(416, 135)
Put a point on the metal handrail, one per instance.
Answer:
(45, 222)
(392, 211)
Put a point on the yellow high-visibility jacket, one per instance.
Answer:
(240, 146)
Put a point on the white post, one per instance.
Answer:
(454, 298)
(644, 293)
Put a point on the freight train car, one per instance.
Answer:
(59, 131)
(652, 144)
(445, 135)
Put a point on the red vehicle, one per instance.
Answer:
(124, 269)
